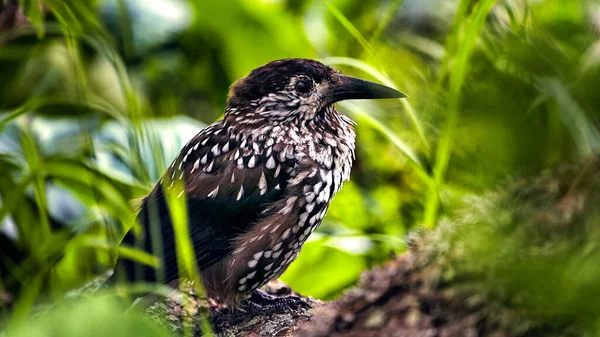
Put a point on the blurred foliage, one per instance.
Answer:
(527, 253)
(98, 96)
(88, 318)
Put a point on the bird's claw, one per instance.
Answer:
(261, 303)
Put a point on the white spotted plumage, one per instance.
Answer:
(282, 157)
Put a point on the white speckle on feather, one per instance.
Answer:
(209, 167)
(277, 171)
(270, 163)
(215, 150)
(240, 193)
(214, 192)
(262, 183)
(302, 218)
(317, 187)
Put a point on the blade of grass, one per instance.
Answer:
(583, 131)
(100, 242)
(453, 40)
(186, 256)
(25, 302)
(33, 10)
(355, 33)
(126, 30)
(403, 147)
(76, 16)
(471, 29)
(11, 200)
(361, 65)
(387, 17)
(35, 165)
(103, 187)
(36, 103)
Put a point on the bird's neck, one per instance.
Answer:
(328, 133)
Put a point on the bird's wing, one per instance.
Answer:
(228, 184)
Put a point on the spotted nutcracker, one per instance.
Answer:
(259, 181)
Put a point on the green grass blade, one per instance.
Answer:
(35, 103)
(33, 10)
(100, 242)
(186, 256)
(25, 303)
(36, 167)
(403, 147)
(354, 32)
(471, 29)
(361, 65)
(388, 15)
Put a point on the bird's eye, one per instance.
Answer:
(302, 86)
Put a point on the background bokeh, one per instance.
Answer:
(97, 97)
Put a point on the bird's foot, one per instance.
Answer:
(261, 303)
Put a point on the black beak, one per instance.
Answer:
(346, 87)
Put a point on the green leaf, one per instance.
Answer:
(35, 15)
(135, 254)
(336, 268)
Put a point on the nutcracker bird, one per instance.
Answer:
(259, 182)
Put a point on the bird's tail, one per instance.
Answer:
(152, 215)
(136, 205)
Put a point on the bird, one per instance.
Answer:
(259, 181)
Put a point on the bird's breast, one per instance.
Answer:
(318, 163)
(265, 252)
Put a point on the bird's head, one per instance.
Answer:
(297, 90)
